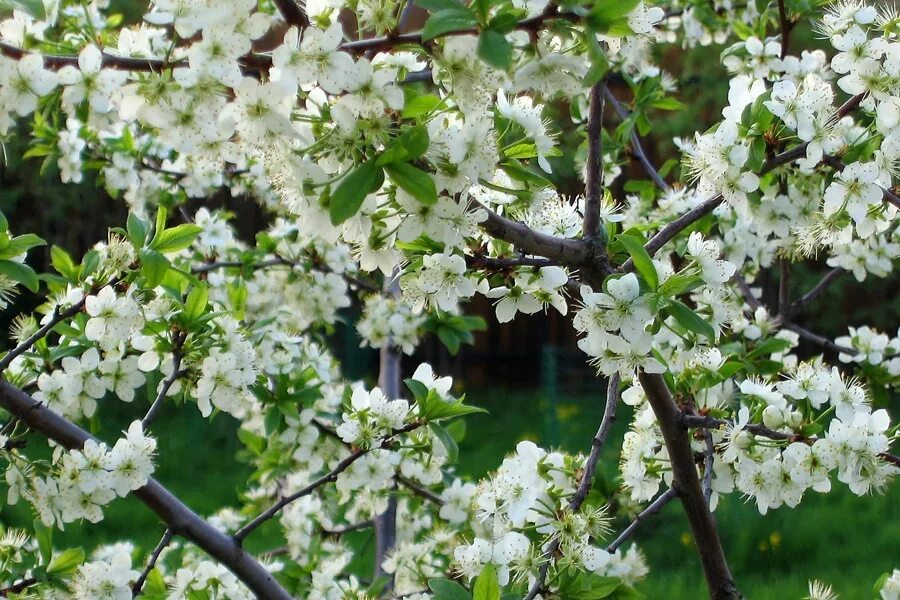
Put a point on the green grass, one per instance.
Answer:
(842, 539)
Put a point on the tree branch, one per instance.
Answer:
(25, 345)
(18, 587)
(178, 517)
(532, 242)
(636, 147)
(587, 477)
(703, 527)
(152, 413)
(652, 509)
(815, 338)
(594, 167)
(329, 477)
(154, 557)
(292, 13)
(816, 291)
(420, 491)
(785, 26)
(668, 232)
(799, 151)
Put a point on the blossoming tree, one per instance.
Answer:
(413, 168)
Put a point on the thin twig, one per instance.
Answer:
(590, 465)
(25, 345)
(18, 587)
(152, 413)
(636, 147)
(587, 476)
(653, 508)
(817, 339)
(329, 477)
(339, 531)
(154, 557)
(817, 290)
(784, 285)
(420, 491)
(675, 227)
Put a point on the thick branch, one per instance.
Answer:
(652, 508)
(703, 527)
(18, 587)
(178, 517)
(570, 252)
(292, 12)
(785, 26)
(594, 167)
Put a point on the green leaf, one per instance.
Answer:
(679, 284)
(352, 190)
(409, 145)
(494, 49)
(449, 338)
(691, 321)
(770, 346)
(32, 8)
(422, 105)
(446, 589)
(641, 259)
(176, 239)
(434, 6)
(196, 302)
(161, 215)
(137, 230)
(486, 586)
(89, 263)
(446, 440)
(65, 562)
(153, 267)
(420, 392)
(447, 20)
(4, 224)
(44, 537)
(20, 244)
(413, 181)
(20, 272)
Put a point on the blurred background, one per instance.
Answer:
(528, 374)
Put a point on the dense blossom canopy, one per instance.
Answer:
(413, 170)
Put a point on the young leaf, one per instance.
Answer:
(196, 302)
(153, 267)
(642, 261)
(21, 244)
(446, 440)
(352, 190)
(137, 230)
(20, 272)
(447, 20)
(486, 586)
(414, 181)
(446, 589)
(494, 49)
(691, 320)
(65, 562)
(176, 239)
